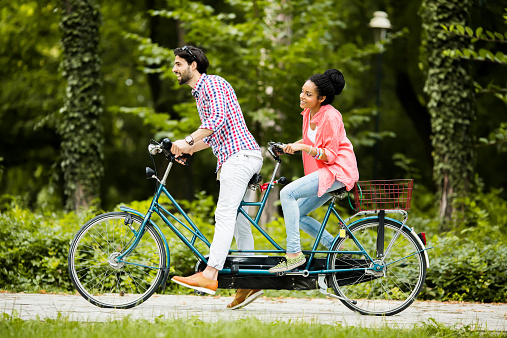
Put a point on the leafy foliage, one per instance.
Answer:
(30, 93)
(448, 86)
(467, 270)
(476, 35)
(34, 248)
(497, 137)
(277, 45)
(79, 126)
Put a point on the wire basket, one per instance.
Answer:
(383, 194)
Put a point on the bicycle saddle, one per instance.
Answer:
(340, 193)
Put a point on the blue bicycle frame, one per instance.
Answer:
(171, 221)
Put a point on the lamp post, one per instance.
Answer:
(379, 25)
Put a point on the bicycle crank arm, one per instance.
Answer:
(303, 273)
(323, 290)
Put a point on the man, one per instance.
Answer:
(238, 155)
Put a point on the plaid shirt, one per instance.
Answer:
(219, 111)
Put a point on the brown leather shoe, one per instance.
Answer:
(244, 297)
(197, 282)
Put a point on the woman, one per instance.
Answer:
(328, 159)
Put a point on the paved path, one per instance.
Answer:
(327, 311)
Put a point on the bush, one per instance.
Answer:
(33, 250)
(466, 270)
(471, 267)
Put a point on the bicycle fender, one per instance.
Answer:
(422, 246)
(137, 213)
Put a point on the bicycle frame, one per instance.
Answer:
(166, 216)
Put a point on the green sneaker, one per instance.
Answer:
(288, 263)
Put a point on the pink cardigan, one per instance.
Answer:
(341, 162)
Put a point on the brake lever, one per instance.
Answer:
(183, 159)
(277, 147)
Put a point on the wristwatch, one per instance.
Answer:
(190, 140)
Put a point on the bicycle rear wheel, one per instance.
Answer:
(385, 292)
(102, 280)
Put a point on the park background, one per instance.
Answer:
(85, 85)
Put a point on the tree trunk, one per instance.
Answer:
(451, 102)
(79, 127)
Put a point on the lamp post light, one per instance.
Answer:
(379, 25)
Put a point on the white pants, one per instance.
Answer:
(235, 174)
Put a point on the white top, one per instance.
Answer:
(311, 133)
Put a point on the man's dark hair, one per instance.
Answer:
(191, 54)
(329, 84)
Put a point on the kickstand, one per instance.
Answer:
(323, 290)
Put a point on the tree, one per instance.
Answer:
(266, 50)
(79, 126)
(476, 53)
(30, 91)
(451, 102)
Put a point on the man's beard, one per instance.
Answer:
(185, 78)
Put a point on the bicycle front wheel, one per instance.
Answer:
(384, 292)
(97, 274)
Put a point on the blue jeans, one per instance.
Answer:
(298, 199)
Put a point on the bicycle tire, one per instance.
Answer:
(389, 291)
(105, 282)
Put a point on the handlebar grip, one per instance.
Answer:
(282, 180)
(167, 144)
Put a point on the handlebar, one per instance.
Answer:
(154, 148)
(274, 148)
(165, 146)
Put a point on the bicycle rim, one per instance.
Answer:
(102, 280)
(386, 292)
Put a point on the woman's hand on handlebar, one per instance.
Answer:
(291, 148)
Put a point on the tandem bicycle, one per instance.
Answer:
(375, 266)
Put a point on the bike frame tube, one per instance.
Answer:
(159, 208)
(319, 234)
(155, 207)
(255, 222)
(267, 273)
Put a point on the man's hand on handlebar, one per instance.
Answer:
(180, 150)
(179, 147)
(183, 159)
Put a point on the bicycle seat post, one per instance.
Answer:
(277, 165)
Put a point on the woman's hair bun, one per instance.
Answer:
(337, 79)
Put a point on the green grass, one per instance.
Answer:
(14, 327)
